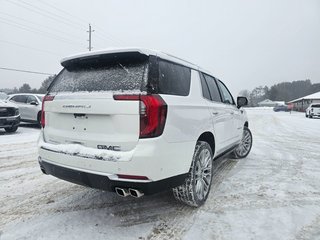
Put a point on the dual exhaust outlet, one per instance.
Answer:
(124, 192)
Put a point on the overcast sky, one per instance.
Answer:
(244, 43)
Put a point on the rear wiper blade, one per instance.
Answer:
(123, 67)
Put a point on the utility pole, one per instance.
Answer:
(90, 31)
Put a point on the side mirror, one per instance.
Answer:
(242, 101)
(34, 103)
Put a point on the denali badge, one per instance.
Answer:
(112, 148)
(76, 106)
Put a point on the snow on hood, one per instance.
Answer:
(87, 152)
(7, 104)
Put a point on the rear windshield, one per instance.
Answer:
(116, 73)
(123, 72)
(316, 106)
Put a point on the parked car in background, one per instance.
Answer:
(313, 110)
(137, 121)
(3, 96)
(281, 108)
(9, 116)
(29, 106)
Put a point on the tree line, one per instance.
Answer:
(26, 88)
(284, 91)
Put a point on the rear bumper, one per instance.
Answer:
(9, 121)
(105, 183)
(153, 158)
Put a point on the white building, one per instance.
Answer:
(300, 104)
(269, 103)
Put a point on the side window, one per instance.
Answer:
(174, 79)
(213, 88)
(20, 98)
(31, 99)
(205, 89)
(227, 97)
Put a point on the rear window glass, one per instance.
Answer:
(174, 79)
(316, 106)
(116, 74)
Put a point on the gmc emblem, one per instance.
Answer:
(112, 148)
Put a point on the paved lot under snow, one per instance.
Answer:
(272, 194)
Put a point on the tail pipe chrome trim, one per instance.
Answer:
(122, 192)
(135, 193)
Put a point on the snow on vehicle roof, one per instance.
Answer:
(144, 51)
(311, 96)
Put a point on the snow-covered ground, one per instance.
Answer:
(272, 194)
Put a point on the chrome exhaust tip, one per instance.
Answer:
(135, 193)
(122, 192)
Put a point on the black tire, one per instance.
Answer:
(246, 144)
(39, 119)
(190, 192)
(306, 115)
(11, 129)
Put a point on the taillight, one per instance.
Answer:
(153, 113)
(45, 99)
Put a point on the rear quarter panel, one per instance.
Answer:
(188, 116)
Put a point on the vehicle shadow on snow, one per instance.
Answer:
(4, 133)
(23, 125)
(30, 125)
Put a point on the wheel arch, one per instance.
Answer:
(209, 138)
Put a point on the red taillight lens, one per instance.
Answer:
(153, 113)
(133, 177)
(43, 119)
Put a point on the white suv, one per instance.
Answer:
(29, 106)
(313, 110)
(136, 121)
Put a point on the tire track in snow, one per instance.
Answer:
(311, 231)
